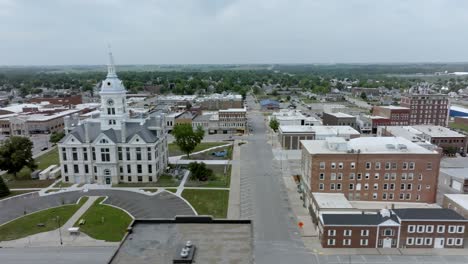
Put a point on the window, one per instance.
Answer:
(419, 241)
(386, 176)
(411, 165)
(121, 177)
(402, 186)
(409, 186)
(429, 166)
(140, 178)
(86, 168)
(351, 176)
(148, 152)
(346, 242)
(458, 241)
(351, 186)
(338, 186)
(138, 153)
(359, 176)
(394, 166)
(333, 176)
(388, 232)
(387, 165)
(365, 232)
(409, 241)
(376, 186)
(129, 168)
(333, 165)
(93, 150)
(376, 176)
(150, 178)
(65, 169)
(408, 196)
(385, 186)
(322, 165)
(353, 165)
(85, 154)
(461, 229)
(384, 196)
(321, 186)
(332, 186)
(347, 232)
(405, 165)
(429, 228)
(420, 229)
(128, 153)
(403, 176)
(368, 166)
(129, 178)
(121, 169)
(367, 176)
(339, 176)
(340, 165)
(392, 186)
(451, 229)
(139, 169)
(377, 165)
(105, 154)
(150, 168)
(393, 176)
(420, 177)
(120, 153)
(76, 169)
(66, 178)
(331, 242)
(390, 196)
(331, 232)
(74, 154)
(366, 186)
(410, 176)
(428, 241)
(64, 154)
(95, 169)
(322, 176)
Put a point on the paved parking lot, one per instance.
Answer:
(163, 205)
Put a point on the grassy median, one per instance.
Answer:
(208, 202)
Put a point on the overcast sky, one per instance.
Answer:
(52, 32)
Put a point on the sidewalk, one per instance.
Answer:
(234, 193)
(175, 159)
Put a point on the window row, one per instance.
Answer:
(428, 241)
(105, 154)
(376, 165)
(347, 242)
(367, 176)
(440, 229)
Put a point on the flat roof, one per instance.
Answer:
(437, 131)
(331, 200)
(366, 145)
(460, 173)
(428, 214)
(460, 199)
(340, 114)
(459, 108)
(233, 110)
(374, 205)
(38, 116)
(319, 130)
(153, 241)
(394, 107)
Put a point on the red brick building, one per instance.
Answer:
(398, 228)
(370, 169)
(397, 115)
(427, 109)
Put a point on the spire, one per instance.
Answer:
(111, 67)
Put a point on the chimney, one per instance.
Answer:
(123, 131)
(86, 131)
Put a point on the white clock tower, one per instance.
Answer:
(113, 99)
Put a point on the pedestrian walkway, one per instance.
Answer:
(180, 189)
(207, 162)
(61, 236)
(234, 194)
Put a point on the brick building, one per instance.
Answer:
(338, 119)
(427, 109)
(220, 101)
(233, 120)
(397, 228)
(397, 115)
(443, 137)
(370, 169)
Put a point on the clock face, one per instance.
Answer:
(110, 102)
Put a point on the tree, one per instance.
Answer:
(288, 98)
(274, 124)
(186, 138)
(15, 153)
(56, 136)
(364, 96)
(4, 191)
(199, 171)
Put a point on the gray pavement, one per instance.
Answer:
(55, 255)
(163, 205)
(264, 200)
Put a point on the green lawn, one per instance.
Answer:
(459, 126)
(15, 193)
(220, 180)
(105, 222)
(27, 225)
(175, 151)
(208, 202)
(62, 184)
(24, 176)
(209, 154)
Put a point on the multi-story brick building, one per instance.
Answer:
(397, 115)
(370, 169)
(427, 109)
(397, 228)
(233, 120)
(338, 119)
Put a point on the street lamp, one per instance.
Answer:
(60, 231)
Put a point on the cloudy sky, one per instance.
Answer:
(52, 32)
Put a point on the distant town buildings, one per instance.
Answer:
(339, 119)
(288, 117)
(427, 109)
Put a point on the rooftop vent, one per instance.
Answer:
(185, 253)
(402, 146)
(390, 146)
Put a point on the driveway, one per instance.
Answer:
(163, 205)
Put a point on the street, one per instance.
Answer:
(69, 255)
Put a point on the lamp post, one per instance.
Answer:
(60, 231)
